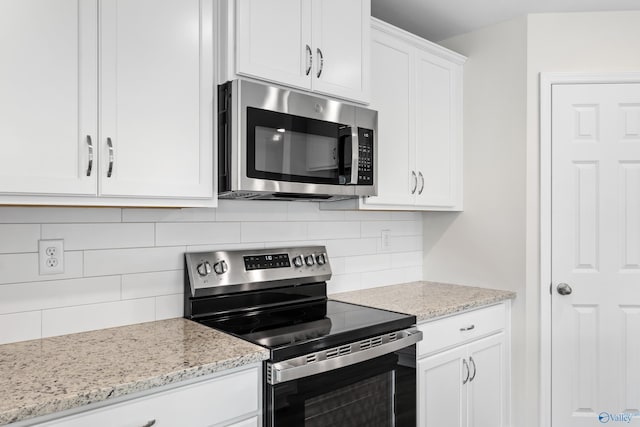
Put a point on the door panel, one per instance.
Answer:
(272, 38)
(392, 98)
(48, 88)
(341, 30)
(442, 397)
(596, 250)
(488, 384)
(156, 87)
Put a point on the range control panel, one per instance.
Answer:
(224, 271)
(365, 156)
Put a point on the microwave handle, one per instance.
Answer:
(355, 156)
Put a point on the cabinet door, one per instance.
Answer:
(341, 44)
(48, 96)
(438, 108)
(442, 396)
(157, 95)
(273, 41)
(488, 385)
(391, 96)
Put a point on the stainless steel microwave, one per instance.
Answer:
(279, 144)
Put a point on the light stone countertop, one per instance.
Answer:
(49, 375)
(425, 300)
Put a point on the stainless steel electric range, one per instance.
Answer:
(332, 363)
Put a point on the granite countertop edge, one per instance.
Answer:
(107, 393)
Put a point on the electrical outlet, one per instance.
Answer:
(51, 256)
(385, 236)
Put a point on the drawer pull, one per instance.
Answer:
(150, 423)
(467, 328)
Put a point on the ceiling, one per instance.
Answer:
(437, 20)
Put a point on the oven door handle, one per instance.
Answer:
(339, 357)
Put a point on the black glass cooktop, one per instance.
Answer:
(307, 327)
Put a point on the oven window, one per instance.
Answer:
(377, 393)
(284, 147)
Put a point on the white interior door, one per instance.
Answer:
(48, 96)
(596, 252)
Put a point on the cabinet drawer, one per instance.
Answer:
(450, 331)
(197, 405)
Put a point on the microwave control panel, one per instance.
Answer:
(365, 159)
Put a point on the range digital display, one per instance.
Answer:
(263, 262)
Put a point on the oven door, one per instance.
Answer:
(376, 392)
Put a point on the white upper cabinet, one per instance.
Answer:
(107, 102)
(274, 41)
(48, 97)
(417, 91)
(317, 45)
(156, 86)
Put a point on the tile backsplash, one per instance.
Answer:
(125, 266)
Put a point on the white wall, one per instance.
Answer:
(125, 266)
(485, 244)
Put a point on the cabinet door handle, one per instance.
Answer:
(309, 60)
(321, 57)
(90, 163)
(421, 182)
(415, 182)
(466, 366)
(150, 423)
(110, 145)
(472, 362)
(467, 328)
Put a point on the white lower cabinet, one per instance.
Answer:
(465, 383)
(214, 402)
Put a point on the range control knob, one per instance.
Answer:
(297, 261)
(309, 260)
(204, 268)
(220, 267)
(321, 259)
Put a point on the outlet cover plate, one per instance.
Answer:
(51, 256)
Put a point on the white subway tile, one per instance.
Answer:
(405, 243)
(143, 285)
(38, 215)
(344, 283)
(406, 259)
(169, 215)
(100, 236)
(406, 216)
(250, 210)
(16, 238)
(140, 260)
(169, 306)
(224, 247)
(396, 228)
(273, 231)
(413, 274)
(295, 243)
(18, 268)
(82, 318)
(58, 293)
(350, 247)
(367, 215)
(338, 265)
(333, 230)
(374, 279)
(310, 211)
(196, 233)
(358, 264)
(20, 326)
